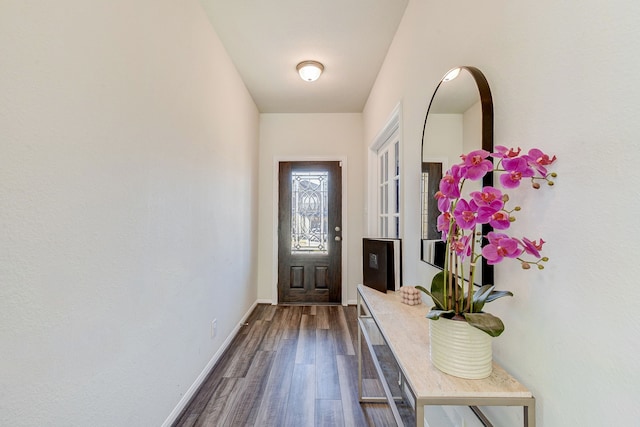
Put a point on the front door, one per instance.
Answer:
(310, 232)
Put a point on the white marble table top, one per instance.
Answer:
(406, 331)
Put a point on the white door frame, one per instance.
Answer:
(393, 125)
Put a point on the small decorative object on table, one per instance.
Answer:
(410, 295)
(451, 292)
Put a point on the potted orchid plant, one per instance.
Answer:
(460, 220)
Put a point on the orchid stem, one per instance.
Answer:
(472, 271)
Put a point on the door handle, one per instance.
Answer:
(337, 238)
(337, 229)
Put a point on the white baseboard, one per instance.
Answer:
(186, 398)
(268, 301)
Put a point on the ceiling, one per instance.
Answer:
(267, 39)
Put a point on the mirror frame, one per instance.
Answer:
(486, 102)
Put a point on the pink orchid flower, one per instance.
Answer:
(444, 203)
(476, 164)
(443, 223)
(504, 152)
(489, 196)
(532, 247)
(516, 169)
(500, 246)
(465, 214)
(449, 184)
(462, 246)
(538, 160)
(498, 219)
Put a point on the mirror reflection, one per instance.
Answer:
(459, 120)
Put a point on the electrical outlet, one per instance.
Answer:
(214, 327)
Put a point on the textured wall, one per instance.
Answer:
(128, 191)
(564, 78)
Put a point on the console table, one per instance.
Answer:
(403, 330)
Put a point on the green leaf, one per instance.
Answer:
(480, 296)
(486, 322)
(436, 301)
(485, 295)
(498, 294)
(438, 284)
(437, 292)
(435, 314)
(482, 293)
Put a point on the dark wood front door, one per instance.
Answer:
(310, 232)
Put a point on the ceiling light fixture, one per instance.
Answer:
(451, 75)
(310, 70)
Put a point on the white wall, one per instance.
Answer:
(286, 137)
(449, 131)
(564, 78)
(119, 120)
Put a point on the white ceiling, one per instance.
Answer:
(267, 39)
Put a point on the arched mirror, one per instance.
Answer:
(459, 120)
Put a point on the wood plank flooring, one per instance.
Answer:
(290, 366)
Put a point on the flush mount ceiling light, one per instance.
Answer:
(309, 70)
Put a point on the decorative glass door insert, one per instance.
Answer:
(309, 210)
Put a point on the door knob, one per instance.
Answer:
(337, 228)
(337, 238)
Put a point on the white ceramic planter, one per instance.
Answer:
(459, 349)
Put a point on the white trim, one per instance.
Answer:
(345, 232)
(393, 125)
(186, 398)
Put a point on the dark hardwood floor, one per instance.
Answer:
(290, 366)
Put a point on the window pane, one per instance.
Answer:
(396, 150)
(386, 166)
(389, 188)
(385, 198)
(309, 211)
(396, 195)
